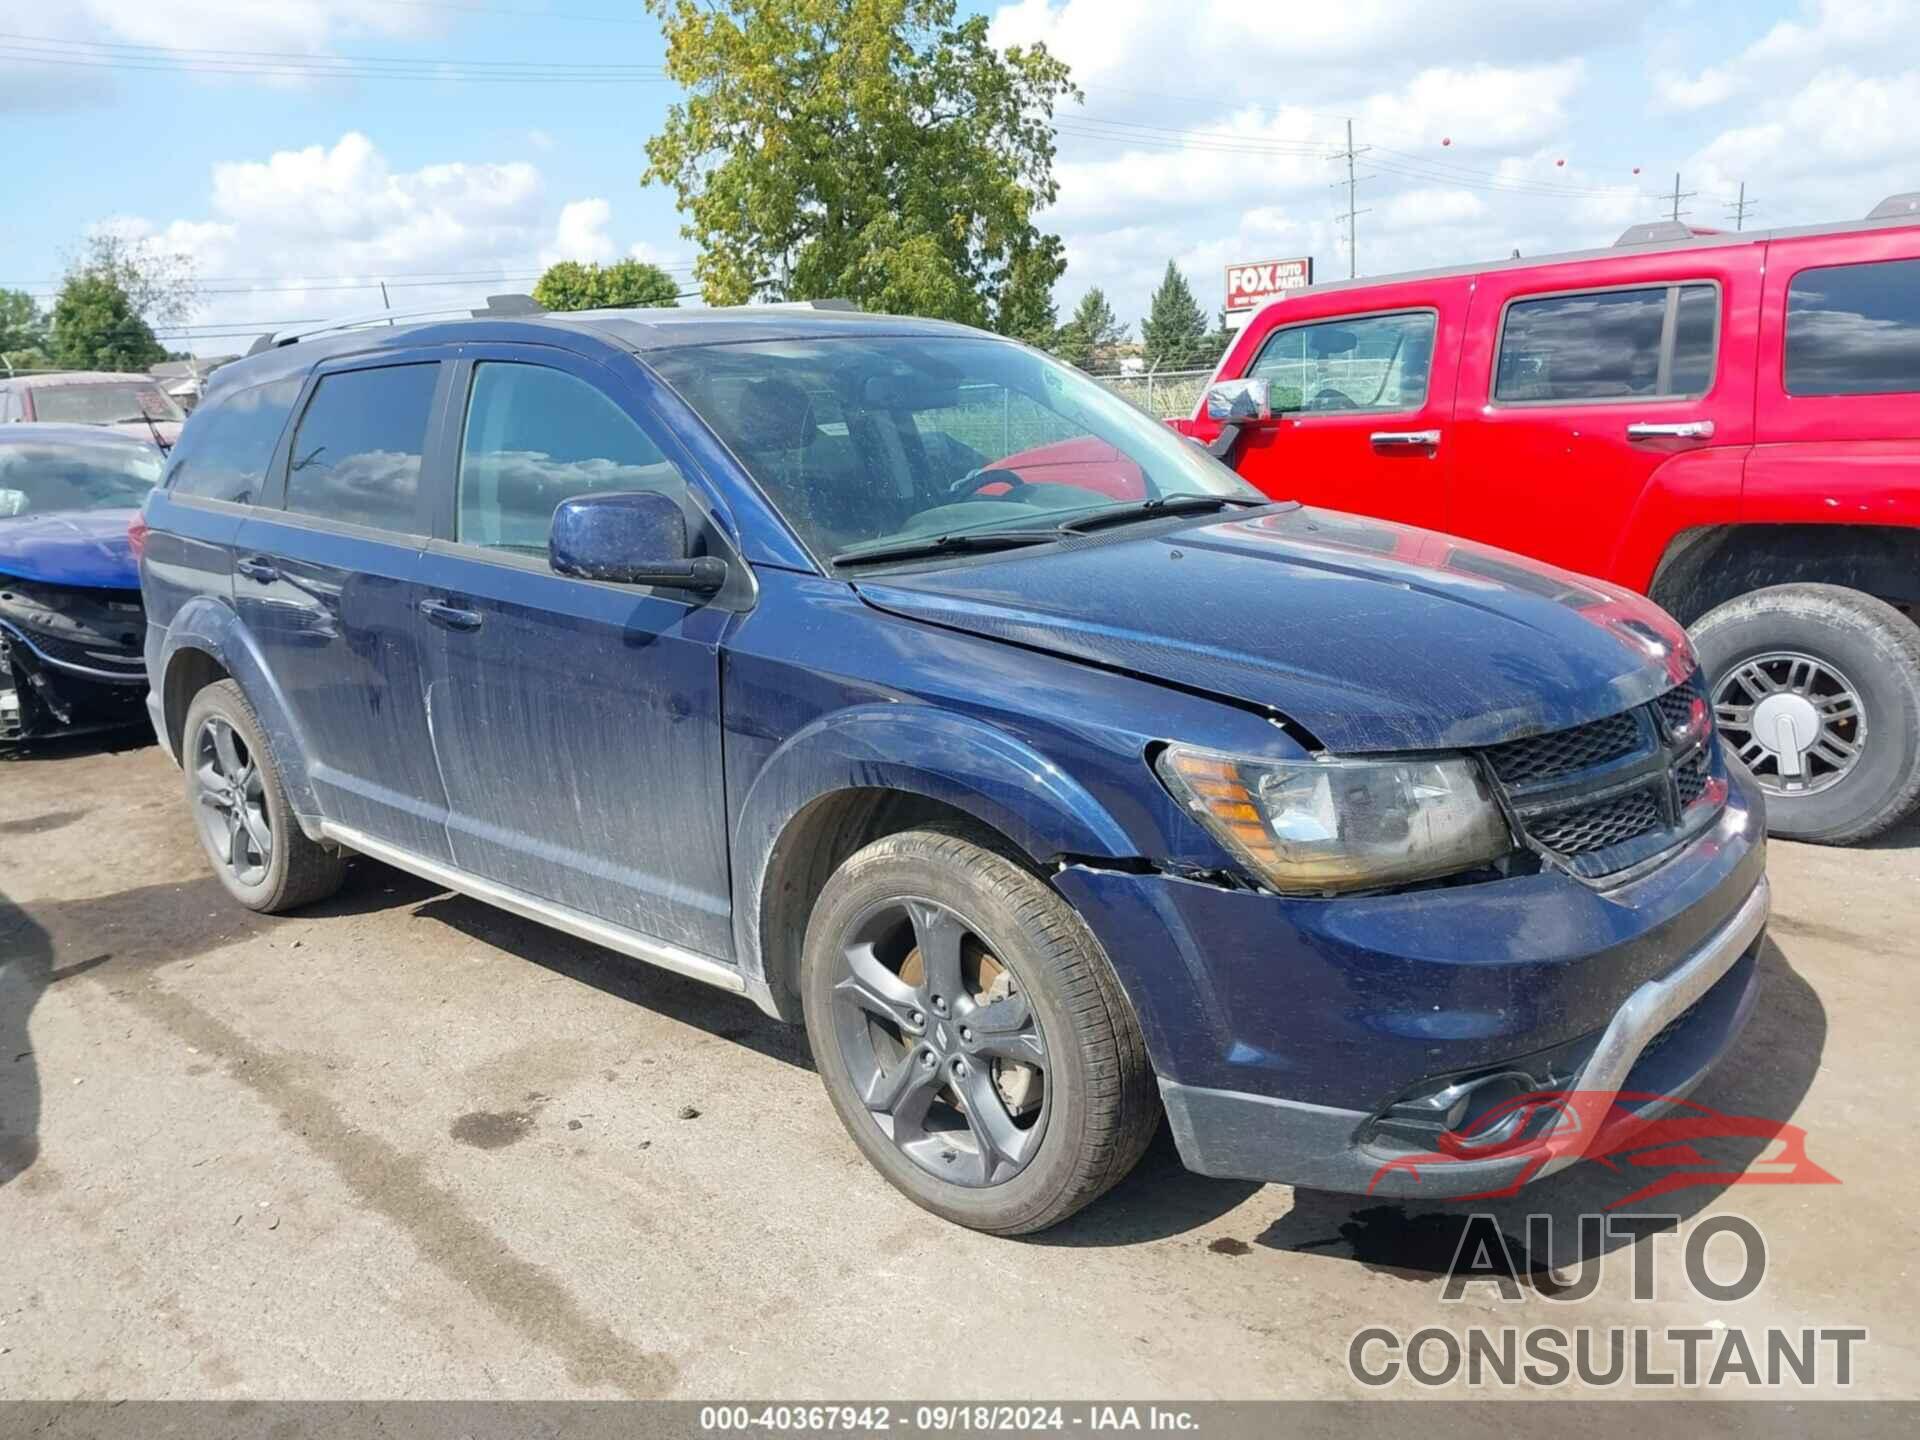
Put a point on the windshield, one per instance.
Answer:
(103, 404)
(870, 440)
(39, 479)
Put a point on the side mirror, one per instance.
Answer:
(1239, 402)
(629, 538)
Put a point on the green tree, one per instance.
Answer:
(1089, 338)
(1173, 336)
(22, 326)
(158, 283)
(878, 150)
(625, 284)
(96, 327)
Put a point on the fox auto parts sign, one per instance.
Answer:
(1253, 283)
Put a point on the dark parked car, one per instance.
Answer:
(71, 629)
(740, 643)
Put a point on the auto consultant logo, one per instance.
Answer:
(1714, 1355)
(1654, 1146)
(1654, 1143)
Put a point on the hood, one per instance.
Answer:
(1371, 636)
(81, 547)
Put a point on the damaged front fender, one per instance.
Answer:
(919, 751)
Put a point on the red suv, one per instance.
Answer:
(1729, 423)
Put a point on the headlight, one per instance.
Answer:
(1315, 826)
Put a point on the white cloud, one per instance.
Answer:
(1832, 33)
(316, 229)
(581, 233)
(72, 69)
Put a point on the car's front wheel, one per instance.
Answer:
(240, 808)
(971, 1035)
(1817, 688)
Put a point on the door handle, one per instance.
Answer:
(255, 567)
(1680, 430)
(1405, 437)
(452, 617)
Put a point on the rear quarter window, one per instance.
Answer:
(358, 448)
(228, 444)
(1854, 329)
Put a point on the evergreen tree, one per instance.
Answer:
(1089, 338)
(1174, 333)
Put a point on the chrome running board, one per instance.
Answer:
(582, 927)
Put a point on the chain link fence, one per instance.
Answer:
(1163, 394)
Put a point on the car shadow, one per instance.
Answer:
(721, 1014)
(57, 748)
(1766, 1075)
(26, 969)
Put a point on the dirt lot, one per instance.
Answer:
(407, 1146)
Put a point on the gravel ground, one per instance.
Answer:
(403, 1145)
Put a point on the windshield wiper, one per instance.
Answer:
(961, 542)
(1153, 509)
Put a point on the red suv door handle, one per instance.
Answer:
(1681, 430)
(1405, 437)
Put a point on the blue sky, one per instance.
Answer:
(1205, 136)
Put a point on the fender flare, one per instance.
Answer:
(207, 624)
(966, 763)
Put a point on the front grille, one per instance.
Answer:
(1540, 757)
(1676, 706)
(1612, 793)
(1690, 779)
(1586, 828)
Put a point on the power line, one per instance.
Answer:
(1739, 208)
(1350, 154)
(1679, 195)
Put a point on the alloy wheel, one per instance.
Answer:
(1797, 722)
(941, 1043)
(232, 812)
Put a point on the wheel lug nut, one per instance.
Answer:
(926, 1059)
(916, 1019)
(966, 1034)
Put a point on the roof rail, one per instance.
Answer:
(498, 306)
(1649, 231)
(1896, 206)
(849, 306)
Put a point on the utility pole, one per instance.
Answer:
(1740, 207)
(1679, 195)
(385, 303)
(1353, 181)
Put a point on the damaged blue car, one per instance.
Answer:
(72, 634)
(908, 683)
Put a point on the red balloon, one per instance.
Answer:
(1559, 162)
(1636, 169)
(1446, 139)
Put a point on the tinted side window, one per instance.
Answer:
(536, 437)
(225, 450)
(356, 455)
(1582, 347)
(1854, 329)
(1380, 362)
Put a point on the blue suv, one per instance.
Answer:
(907, 682)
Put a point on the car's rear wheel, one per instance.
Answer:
(971, 1035)
(1817, 689)
(240, 808)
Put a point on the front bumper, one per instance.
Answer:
(44, 693)
(1283, 1030)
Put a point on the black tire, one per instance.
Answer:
(1100, 1106)
(1877, 651)
(296, 870)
